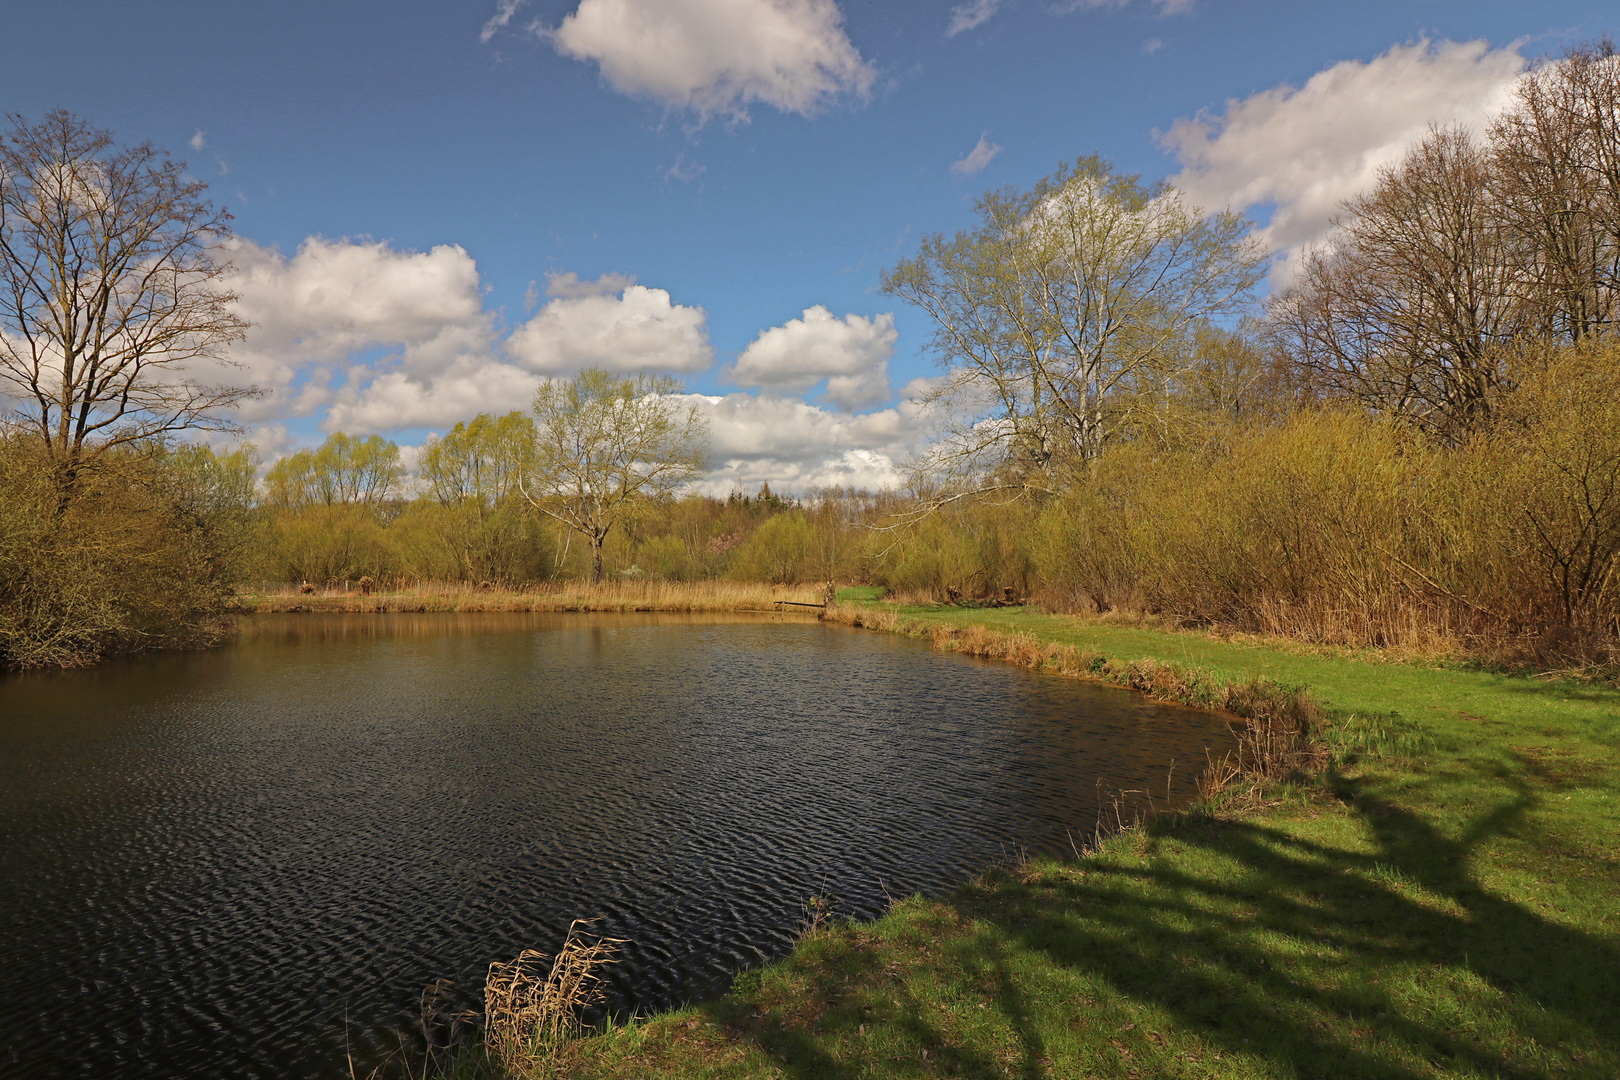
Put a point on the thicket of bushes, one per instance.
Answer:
(1333, 524)
(141, 554)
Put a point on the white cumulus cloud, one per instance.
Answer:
(795, 445)
(419, 314)
(396, 399)
(611, 323)
(717, 56)
(975, 160)
(361, 336)
(1305, 150)
(851, 353)
(971, 16)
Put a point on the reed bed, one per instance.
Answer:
(620, 596)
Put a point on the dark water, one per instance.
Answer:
(249, 862)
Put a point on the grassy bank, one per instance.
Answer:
(1443, 901)
(670, 596)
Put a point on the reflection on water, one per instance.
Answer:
(249, 862)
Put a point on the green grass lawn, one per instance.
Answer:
(1444, 901)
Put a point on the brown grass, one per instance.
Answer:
(424, 596)
(532, 1004)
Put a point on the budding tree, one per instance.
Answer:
(111, 302)
(345, 470)
(602, 444)
(1063, 312)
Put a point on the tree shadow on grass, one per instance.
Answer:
(1278, 955)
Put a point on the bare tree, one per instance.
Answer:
(1408, 306)
(602, 444)
(1062, 313)
(110, 294)
(1557, 158)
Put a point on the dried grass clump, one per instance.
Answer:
(870, 618)
(532, 1004)
(1280, 739)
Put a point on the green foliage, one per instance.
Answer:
(343, 470)
(779, 551)
(666, 556)
(970, 548)
(214, 494)
(329, 544)
(482, 460)
(471, 541)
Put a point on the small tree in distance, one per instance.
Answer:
(110, 294)
(603, 443)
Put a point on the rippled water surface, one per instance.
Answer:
(249, 862)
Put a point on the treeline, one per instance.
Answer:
(349, 510)
(1416, 445)
(340, 513)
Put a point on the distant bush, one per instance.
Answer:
(779, 551)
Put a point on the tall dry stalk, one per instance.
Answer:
(530, 1016)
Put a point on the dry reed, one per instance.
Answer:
(532, 1004)
(622, 596)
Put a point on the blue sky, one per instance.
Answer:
(749, 158)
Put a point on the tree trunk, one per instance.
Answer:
(596, 560)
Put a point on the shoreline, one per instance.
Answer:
(673, 597)
(1349, 919)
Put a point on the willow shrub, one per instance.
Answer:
(128, 560)
(319, 544)
(472, 541)
(1343, 527)
(1322, 527)
(975, 549)
(1546, 477)
(780, 551)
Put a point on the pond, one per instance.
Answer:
(249, 862)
